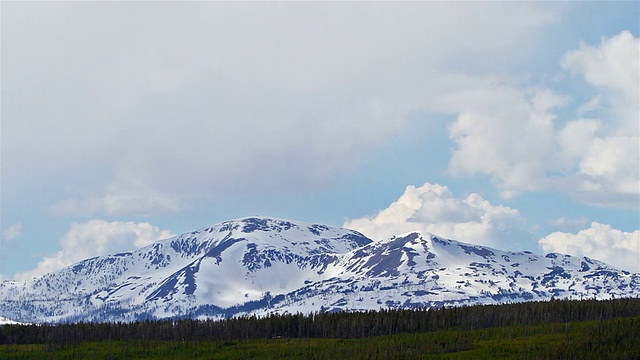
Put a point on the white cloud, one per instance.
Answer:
(506, 133)
(116, 205)
(12, 232)
(433, 208)
(601, 242)
(512, 132)
(611, 159)
(220, 98)
(589, 106)
(614, 64)
(124, 197)
(97, 237)
(567, 223)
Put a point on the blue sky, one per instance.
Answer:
(513, 125)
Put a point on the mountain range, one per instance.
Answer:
(259, 265)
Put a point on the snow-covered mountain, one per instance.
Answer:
(265, 265)
(5, 321)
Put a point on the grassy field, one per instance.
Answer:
(608, 339)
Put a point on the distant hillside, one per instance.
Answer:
(260, 266)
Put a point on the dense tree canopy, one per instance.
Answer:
(324, 324)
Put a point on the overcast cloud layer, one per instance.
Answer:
(182, 102)
(119, 115)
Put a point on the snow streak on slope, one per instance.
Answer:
(423, 270)
(5, 321)
(263, 265)
(229, 264)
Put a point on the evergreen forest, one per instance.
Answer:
(556, 329)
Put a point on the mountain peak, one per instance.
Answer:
(258, 265)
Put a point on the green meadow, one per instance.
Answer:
(608, 339)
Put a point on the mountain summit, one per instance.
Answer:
(260, 265)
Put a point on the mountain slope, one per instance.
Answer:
(262, 265)
(423, 270)
(224, 265)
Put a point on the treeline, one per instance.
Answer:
(325, 325)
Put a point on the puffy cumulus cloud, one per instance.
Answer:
(514, 134)
(613, 65)
(94, 238)
(600, 241)
(433, 208)
(506, 133)
(608, 159)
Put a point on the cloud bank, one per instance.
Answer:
(433, 208)
(94, 238)
(270, 98)
(472, 219)
(119, 109)
(227, 98)
(600, 241)
(514, 134)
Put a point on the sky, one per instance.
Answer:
(513, 125)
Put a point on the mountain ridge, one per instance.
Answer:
(259, 265)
